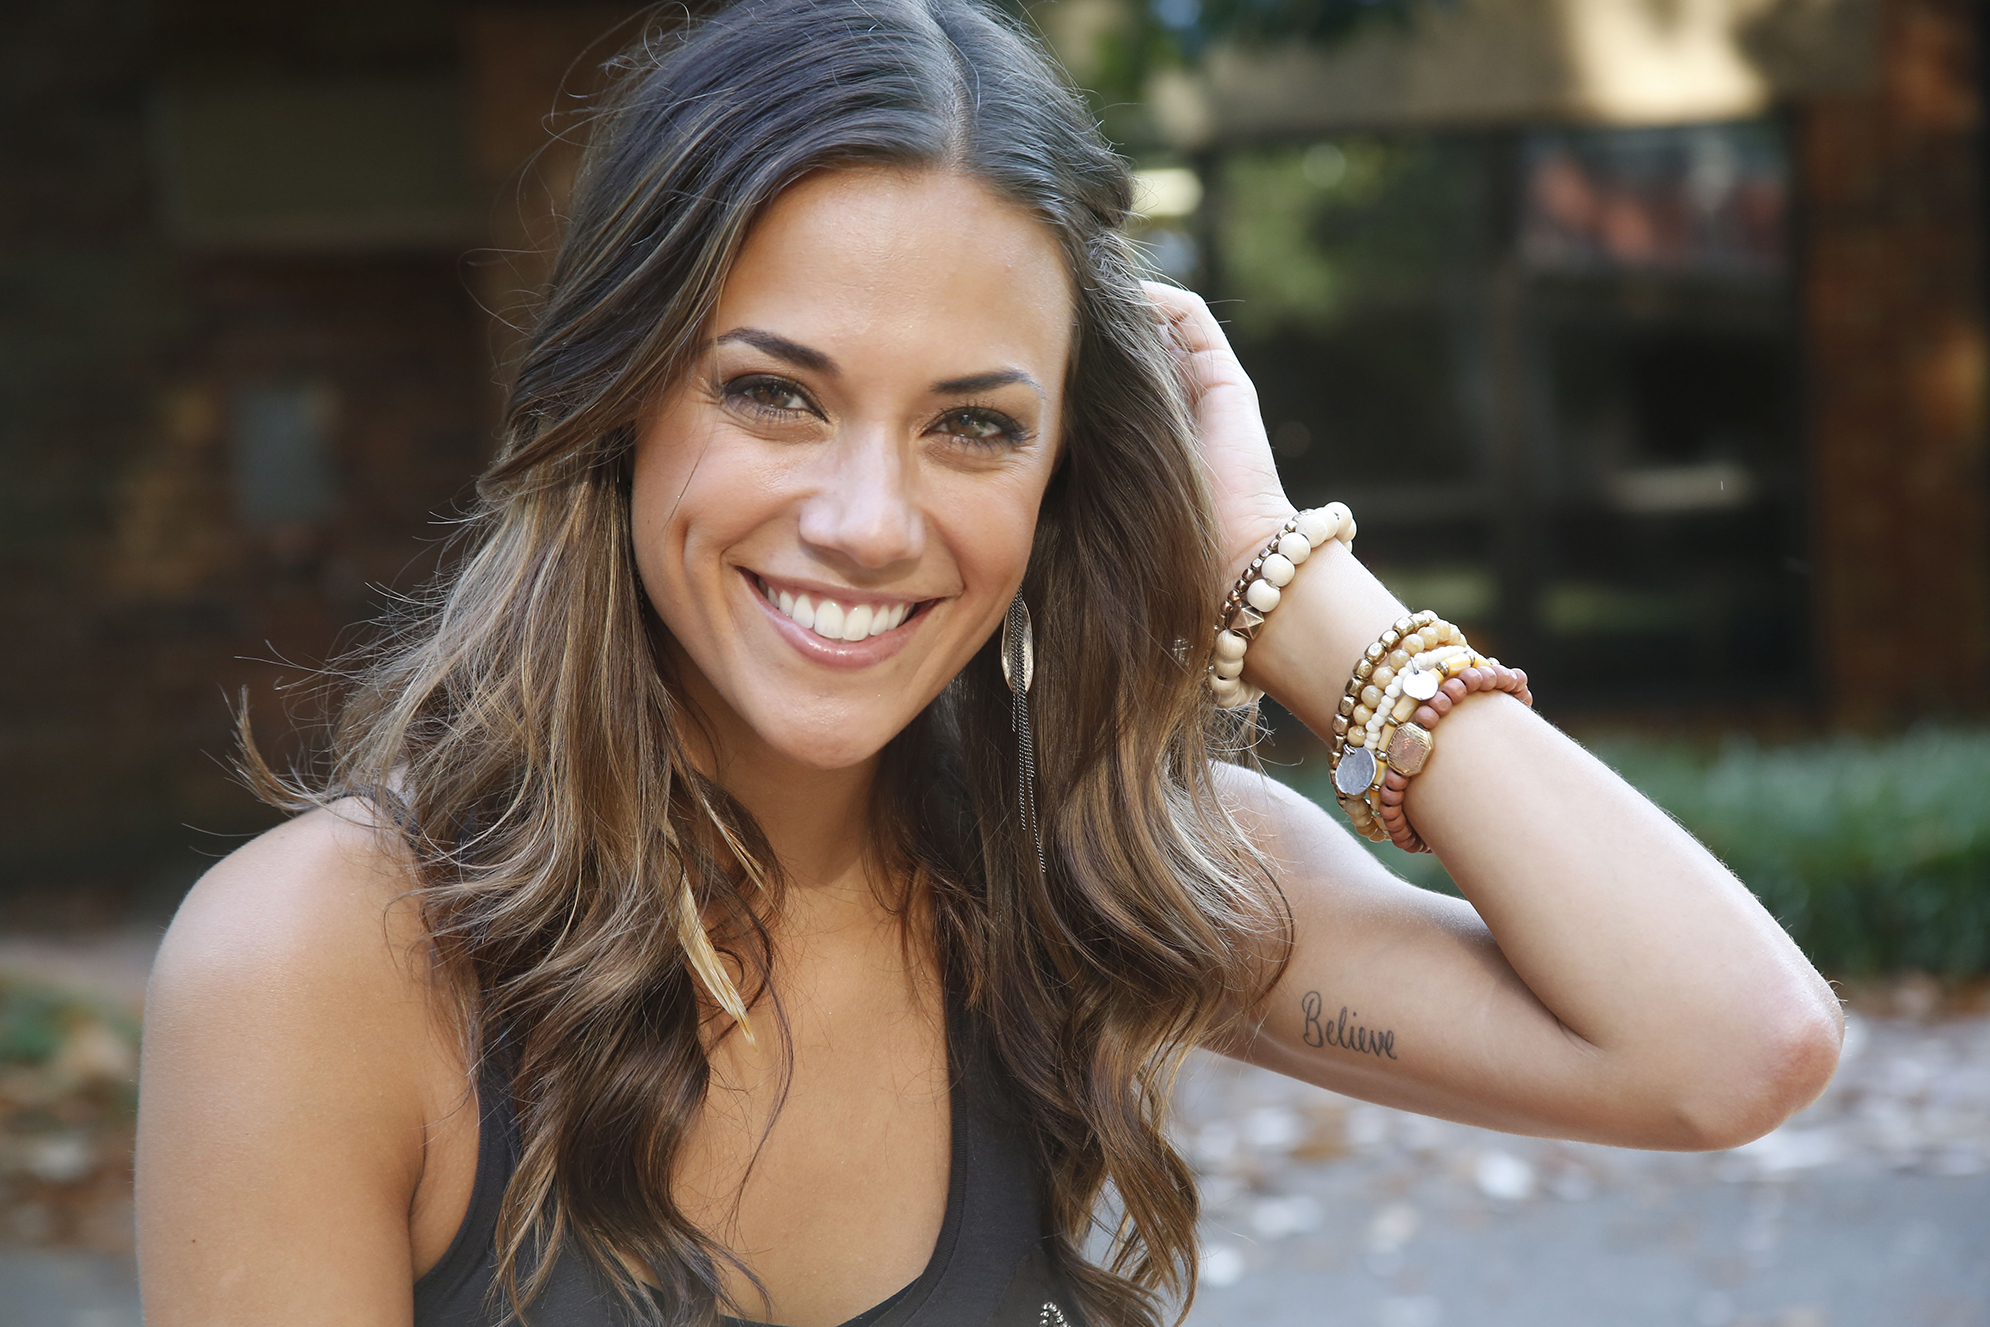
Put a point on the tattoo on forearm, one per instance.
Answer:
(1340, 1032)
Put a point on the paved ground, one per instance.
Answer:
(61, 1288)
(1872, 1209)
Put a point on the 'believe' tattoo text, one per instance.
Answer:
(1337, 1032)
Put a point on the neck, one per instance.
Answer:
(817, 821)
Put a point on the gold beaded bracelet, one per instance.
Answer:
(1406, 681)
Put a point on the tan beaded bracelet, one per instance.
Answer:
(1258, 590)
(1383, 734)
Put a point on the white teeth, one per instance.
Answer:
(829, 620)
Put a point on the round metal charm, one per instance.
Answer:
(1355, 771)
(1421, 684)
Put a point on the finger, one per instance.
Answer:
(1207, 359)
(1188, 315)
(1172, 305)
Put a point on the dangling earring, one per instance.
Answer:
(1019, 670)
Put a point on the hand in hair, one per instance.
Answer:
(1242, 477)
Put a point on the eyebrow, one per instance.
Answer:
(803, 357)
(985, 382)
(790, 352)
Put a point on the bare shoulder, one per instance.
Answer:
(306, 947)
(319, 904)
(297, 1066)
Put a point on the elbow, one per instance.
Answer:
(1778, 1075)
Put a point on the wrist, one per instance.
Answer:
(1260, 588)
(1403, 671)
(1305, 651)
(1248, 533)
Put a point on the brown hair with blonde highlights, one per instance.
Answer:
(575, 871)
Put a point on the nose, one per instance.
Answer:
(865, 508)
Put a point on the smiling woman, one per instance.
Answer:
(835, 505)
(675, 935)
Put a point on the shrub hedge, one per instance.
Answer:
(1875, 855)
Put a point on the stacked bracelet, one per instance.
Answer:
(1257, 592)
(1383, 733)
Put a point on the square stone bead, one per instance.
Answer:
(1410, 748)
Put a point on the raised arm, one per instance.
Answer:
(301, 1146)
(1607, 979)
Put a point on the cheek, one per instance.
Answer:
(989, 531)
(655, 480)
(683, 495)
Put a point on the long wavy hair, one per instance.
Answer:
(578, 875)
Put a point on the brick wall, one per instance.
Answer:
(1894, 315)
(137, 593)
(88, 299)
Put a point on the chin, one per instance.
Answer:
(832, 741)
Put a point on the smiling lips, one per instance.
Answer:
(832, 620)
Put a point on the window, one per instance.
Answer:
(282, 463)
(1553, 372)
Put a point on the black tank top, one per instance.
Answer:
(992, 1265)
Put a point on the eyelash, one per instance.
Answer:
(1007, 431)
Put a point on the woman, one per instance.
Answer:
(691, 923)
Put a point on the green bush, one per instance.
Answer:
(33, 1022)
(1874, 854)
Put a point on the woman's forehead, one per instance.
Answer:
(928, 264)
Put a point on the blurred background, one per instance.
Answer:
(1646, 338)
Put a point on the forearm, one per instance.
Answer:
(1624, 927)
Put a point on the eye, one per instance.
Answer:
(766, 395)
(982, 426)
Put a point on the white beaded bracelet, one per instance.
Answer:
(1258, 590)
